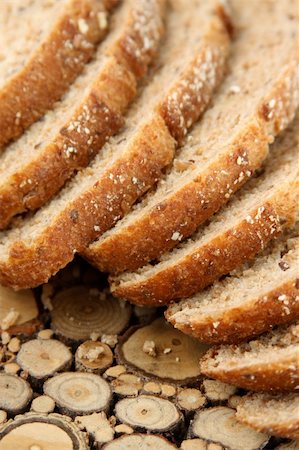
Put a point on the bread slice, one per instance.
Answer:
(44, 46)
(235, 234)
(269, 363)
(131, 162)
(257, 100)
(248, 302)
(277, 414)
(35, 167)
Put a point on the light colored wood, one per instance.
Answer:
(77, 393)
(171, 356)
(93, 356)
(127, 385)
(140, 442)
(115, 371)
(43, 404)
(219, 425)
(199, 444)
(97, 425)
(78, 312)
(35, 431)
(16, 308)
(15, 393)
(149, 413)
(43, 358)
(190, 399)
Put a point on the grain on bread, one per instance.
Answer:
(257, 100)
(249, 302)
(130, 163)
(254, 216)
(44, 46)
(268, 363)
(277, 415)
(37, 165)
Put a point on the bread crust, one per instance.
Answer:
(97, 117)
(251, 319)
(151, 233)
(46, 75)
(287, 428)
(83, 218)
(199, 268)
(281, 375)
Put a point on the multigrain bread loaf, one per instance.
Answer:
(257, 100)
(254, 216)
(269, 363)
(248, 302)
(44, 46)
(277, 415)
(131, 162)
(35, 167)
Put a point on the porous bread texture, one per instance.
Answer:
(128, 165)
(276, 415)
(44, 46)
(36, 166)
(248, 302)
(235, 234)
(269, 363)
(256, 101)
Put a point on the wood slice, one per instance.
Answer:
(160, 351)
(97, 425)
(149, 413)
(34, 431)
(218, 392)
(219, 425)
(18, 311)
(78, 393)
(199, 444)
(140, 442)
(43, 358)
(15, 393)
(93, 356)
(190, 399)
(127, 385)
(78, 312)
(43, 404)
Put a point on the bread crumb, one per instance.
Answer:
(149, 347)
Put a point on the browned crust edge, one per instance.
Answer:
(150, 235)
(240, 322)
(51, 68)
(204, 265)
(100, 113)
(92, 212)
(287, 429)
(279, 376)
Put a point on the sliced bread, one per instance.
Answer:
(44, 46)
(269, 363)
(131, 162)
(277, 415)
(257, 100)
(248, 302)
(35, 167)
(237, 233)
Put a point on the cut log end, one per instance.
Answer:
(15, 393)
(77, 393)
(93, 356)
(140, 442)
(43, 358)
(18, 311)
(78, 312)
(35, 431)
(149, 413)
(219, 425)
(190, 399)
(161, 352)
(217, 392)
